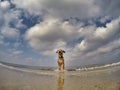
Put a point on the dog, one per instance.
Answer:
(60, 60)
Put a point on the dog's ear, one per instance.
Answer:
(63, 51)
(57, 51)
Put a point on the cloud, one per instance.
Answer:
(82, 9)
(10, 20)
(97, 36)
(18, 52)
(60, 8)
(10, 26)
(5, 5)
(109, 7)
(99, 44)
(109, 47)
(89, 31)
(17, 57)
(31, 6)
(10, 33)
(17, 44)
(1, 40)
(51, 34)
(104, 19)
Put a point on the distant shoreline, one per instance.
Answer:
(86, 68)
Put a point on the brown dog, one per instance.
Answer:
(60, 60)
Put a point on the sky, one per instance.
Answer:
(32, 30)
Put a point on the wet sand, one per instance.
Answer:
(106, 79)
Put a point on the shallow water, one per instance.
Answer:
(104, 79)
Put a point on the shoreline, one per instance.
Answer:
(105, 79)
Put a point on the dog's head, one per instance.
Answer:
(60, 53)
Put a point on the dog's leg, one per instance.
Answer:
(59, 66)
(62, 66)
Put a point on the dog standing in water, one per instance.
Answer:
(60, 60)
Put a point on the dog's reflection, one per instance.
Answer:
(60, 81)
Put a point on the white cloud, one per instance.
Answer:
(33, 7)
(84, 43)
(51, 34)
(106, 48)
(110, 31)
(10, 33)
(95, 38)
(82, 9)
(8, 16)
(60, 8)
(98, 45)
(5, 5)
(97, 42)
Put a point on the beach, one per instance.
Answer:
(104, 79)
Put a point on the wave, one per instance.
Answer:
(98, 67)
(28, 70)
(51, 71)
